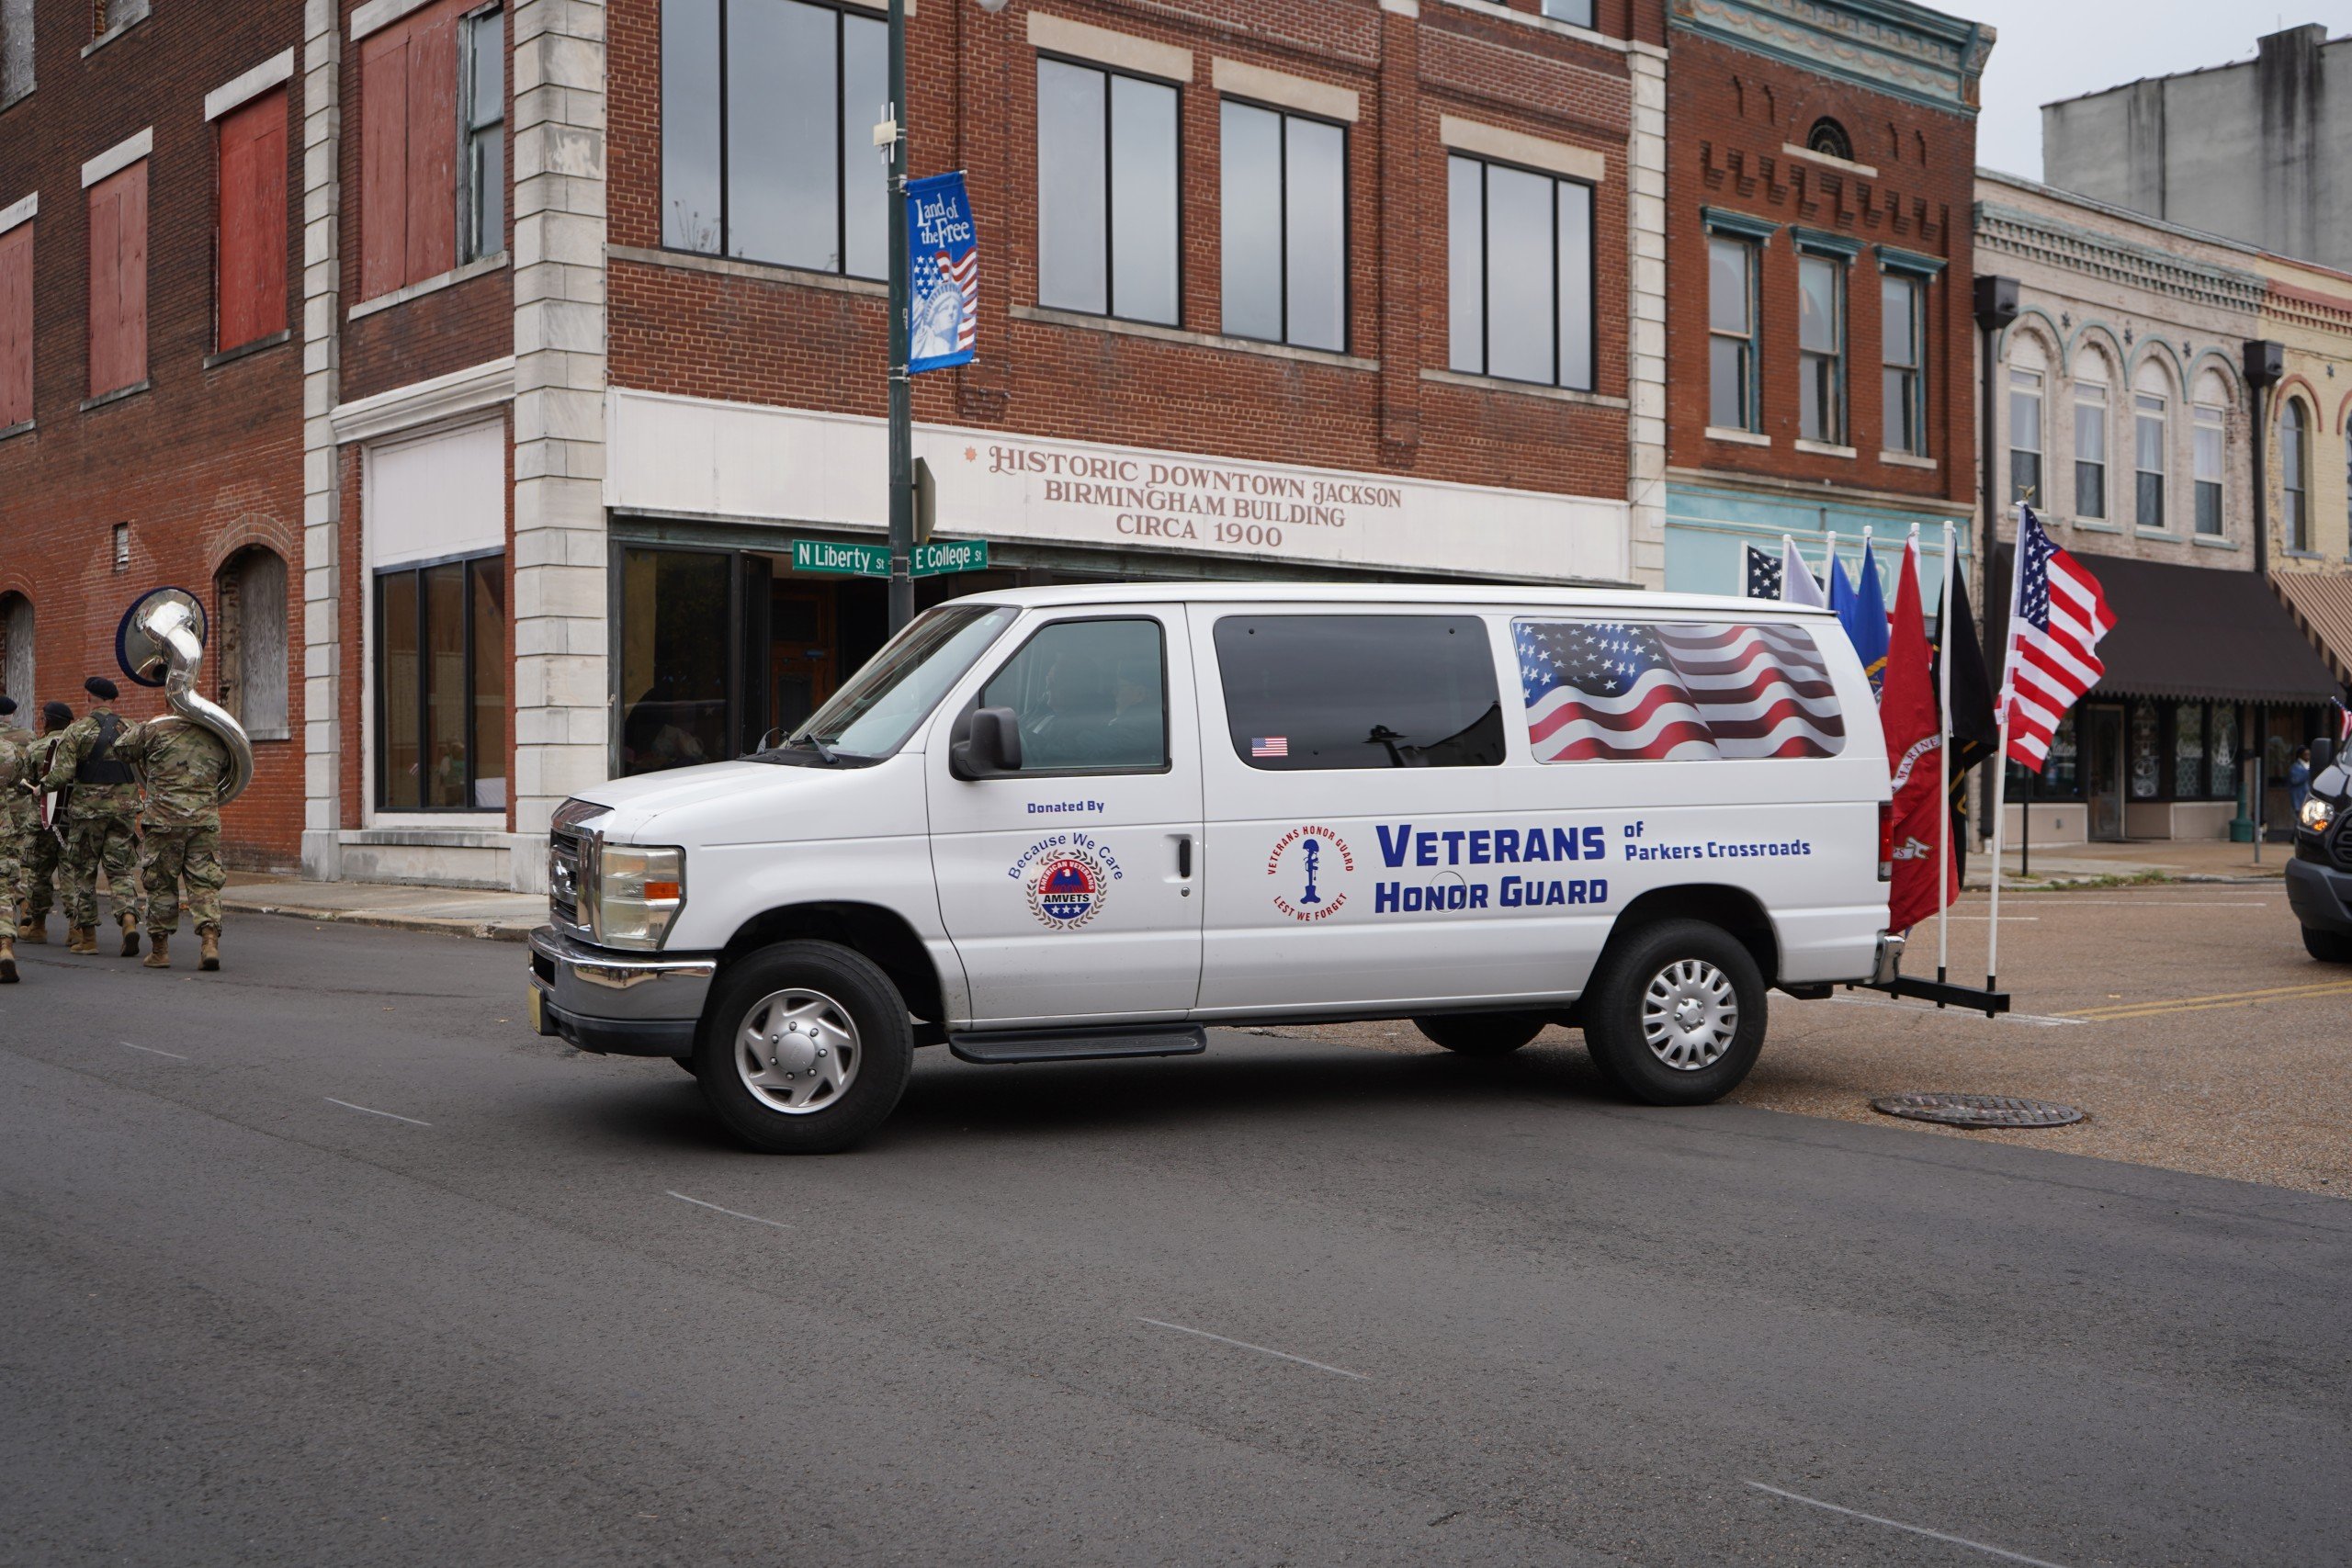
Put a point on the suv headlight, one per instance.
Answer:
(2318, 814)
(634, 892)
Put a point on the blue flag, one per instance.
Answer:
(1864, 614)
(942, 275)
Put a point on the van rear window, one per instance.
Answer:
(1623, 691)
(1310, 693)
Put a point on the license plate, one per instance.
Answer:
(539, 1003)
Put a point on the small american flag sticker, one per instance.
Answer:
(1271, 746)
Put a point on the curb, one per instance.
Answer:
(439, 925)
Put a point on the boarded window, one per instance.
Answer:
(15, 50)
(251, 219)
(16, 325)
(17, 653)
(118, 280)
(408, 152)
(250, 632)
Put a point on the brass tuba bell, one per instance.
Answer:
(160, 643)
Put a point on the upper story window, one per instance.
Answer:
(767, 148)
(111, 15)
(2025, 438)
(1731, 334)
(2148, 456)
(249, 233)
(2294, 463)
(481, 163)
(423, 203)
(1829, 139)
(1107, 198)
(1902, 331)
(15, 50)
(16, 325)
(1821, 349)
(2211, 453)
(1577, 13)
(1286, 215)
(1520, 274)
(2090, 450)
(118, 324)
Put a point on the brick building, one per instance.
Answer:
(1820, 342)
(150, 380)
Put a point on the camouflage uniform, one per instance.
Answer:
(97, 823)
(184, 765)
(15, 764)
(42, 849)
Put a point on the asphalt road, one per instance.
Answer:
(326, 1261)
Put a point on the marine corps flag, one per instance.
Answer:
(1915, 756)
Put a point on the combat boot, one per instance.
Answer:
(8, 961)
(208, 949)
(158, 950)
(81, 938)
(33, 932)
(130, 923)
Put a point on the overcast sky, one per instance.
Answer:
(2062, 49)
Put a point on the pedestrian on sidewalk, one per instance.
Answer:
(99, 831)
(2299, 781)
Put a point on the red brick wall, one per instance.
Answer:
(207, 460)
(972, 89)
(1729, 113)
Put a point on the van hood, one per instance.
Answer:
(722, 804)
(648, 795)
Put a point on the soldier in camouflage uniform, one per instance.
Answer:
(183, 766)
(99, 820)
(43, 848)
(14, 765)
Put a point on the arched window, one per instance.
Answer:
(2027, 362)
(251, 642)
(2210, 439)
(2151, 445)
(1829, 139)
(2294, 462)
(17, 654)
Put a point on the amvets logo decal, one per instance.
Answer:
(1309, 865)
(1067, 879)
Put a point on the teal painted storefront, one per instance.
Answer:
(1706, 526)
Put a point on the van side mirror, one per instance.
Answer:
(991, 749)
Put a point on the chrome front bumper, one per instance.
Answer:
(628, 1004)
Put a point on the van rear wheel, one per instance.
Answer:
(1678, 1016)
(807, 1048)
(1481, 1033)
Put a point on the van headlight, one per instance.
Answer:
(634, 892)
(2318, 814)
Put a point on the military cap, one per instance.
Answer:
(101, 688)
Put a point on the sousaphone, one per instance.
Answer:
(160, 643)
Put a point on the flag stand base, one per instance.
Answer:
(1975, 998)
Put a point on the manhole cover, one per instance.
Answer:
(1977, 1110)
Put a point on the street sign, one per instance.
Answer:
(845, 560)
(963, 555)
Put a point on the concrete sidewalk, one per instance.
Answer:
(454, 911)
(2153, 860)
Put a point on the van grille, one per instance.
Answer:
(563, 877)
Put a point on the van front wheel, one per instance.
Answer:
(806, 1049)
(1678, 1016)
(1481, 1033)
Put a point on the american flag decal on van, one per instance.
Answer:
(1616, 691)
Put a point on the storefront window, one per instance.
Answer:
(2060, 777)
(2188, 751)
(2147, 752)
(675, 617)
(2221, 750)
(441, 686)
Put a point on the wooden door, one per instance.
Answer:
(2103, 771)
(804, 663)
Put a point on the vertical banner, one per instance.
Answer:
(942, 273)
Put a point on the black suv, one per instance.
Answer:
(2319, 879)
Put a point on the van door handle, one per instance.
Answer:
(1184, 856)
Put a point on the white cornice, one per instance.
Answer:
(118, 157)
(23, 210)
(275, 71)
(378, 14)
(426, 402)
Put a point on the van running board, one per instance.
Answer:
(1077, 1044)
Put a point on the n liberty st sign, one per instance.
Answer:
(827, 557)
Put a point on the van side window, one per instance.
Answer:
(1092, 696)
(1309, 692)
(1615, 690)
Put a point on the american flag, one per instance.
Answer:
(1674, 692)
(2057, 616)
(966, 275)
(1766, 574)
(1271, 746)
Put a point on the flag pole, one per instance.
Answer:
(2001, 763)
(1829, 566)
(1943, 711)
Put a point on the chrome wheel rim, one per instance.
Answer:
(798, 1052)
(1689, 1015)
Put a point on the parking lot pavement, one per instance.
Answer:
(2185, 1019)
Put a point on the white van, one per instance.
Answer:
(1052, 824)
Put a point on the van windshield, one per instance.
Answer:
(896, 690)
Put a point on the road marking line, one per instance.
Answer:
(175, 1055)
(738, 1214)
(2030, 919)
(1262, 1350)
(372, 1111)
(1898, 1524)
(2039, 1020)
(2067, 900)
(2221, 999)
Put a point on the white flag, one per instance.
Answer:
(1798, 585)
